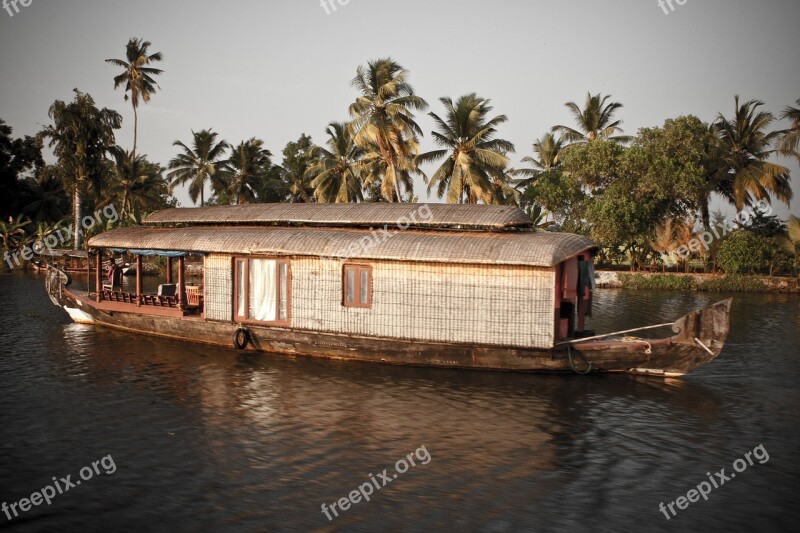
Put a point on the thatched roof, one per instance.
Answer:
(511, 248)
(348, 215)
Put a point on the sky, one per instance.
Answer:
(274, 69)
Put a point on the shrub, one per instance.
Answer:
(733, 283)
(742, 253)
(657, 282)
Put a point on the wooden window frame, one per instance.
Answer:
(246, 319)
(358, 268)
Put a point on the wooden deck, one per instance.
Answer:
(124, 303)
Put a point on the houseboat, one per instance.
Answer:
(463, 286)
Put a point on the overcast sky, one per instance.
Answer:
(277, 68)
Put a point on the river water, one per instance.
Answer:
(198, 438)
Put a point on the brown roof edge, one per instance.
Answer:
(417, 216)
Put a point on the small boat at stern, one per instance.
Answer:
(457, 286)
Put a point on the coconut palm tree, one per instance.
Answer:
(790, 139)
(137, 76)
(80, 136)
(242, 173)
(548, 149)
(198, 164)
(594, 121)
(138, 187)
(475, 162)
(383, 123)
(336, 176)
(746, 144)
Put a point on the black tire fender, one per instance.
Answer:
(241, 338)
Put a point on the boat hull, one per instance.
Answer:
(665, 357)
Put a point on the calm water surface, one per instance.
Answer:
(207, 439)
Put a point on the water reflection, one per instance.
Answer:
(208, 438)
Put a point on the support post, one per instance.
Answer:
(138, 280)
(98, 273)
(181, 281)
(169, 270)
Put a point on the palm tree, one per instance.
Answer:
(475, 162)
(790, 139)
(137, 76)
(548, 157)
(337, 174)
(594, 121)
(383, 123)
(139, 186)
(243, 172)
(80, 136)
(746, 145)
(198, 164)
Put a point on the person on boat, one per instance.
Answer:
(114, 275)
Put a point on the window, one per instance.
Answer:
(357, 286)
(262, 290)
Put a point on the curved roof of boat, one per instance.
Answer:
(528, 247)
(418, 216)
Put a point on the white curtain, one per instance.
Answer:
(242, 287)
(262, 290)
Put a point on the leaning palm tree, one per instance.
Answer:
(746, 144)
(243, 172)
(548, 157)
(138, 185)
(594, 121)
(137, 76)
(790, 139)
(198, 164)
(337, 173)
(383, 123)
(475, 162)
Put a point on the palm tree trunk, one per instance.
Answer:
(396, 184)
(76, 218)
(135, 130)
(704, 213)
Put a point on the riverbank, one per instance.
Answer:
(695, 282)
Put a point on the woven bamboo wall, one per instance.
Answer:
(511, 306)
(218, 287)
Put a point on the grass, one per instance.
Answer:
(732, 283)
(657, 282)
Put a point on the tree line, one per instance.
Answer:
(635, 195)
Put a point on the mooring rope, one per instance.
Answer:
(572, 364)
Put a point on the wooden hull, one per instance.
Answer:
(666, 357)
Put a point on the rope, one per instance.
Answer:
(572, 363)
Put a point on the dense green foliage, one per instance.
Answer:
(657, 282)
(743, 252)
(643, 198)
